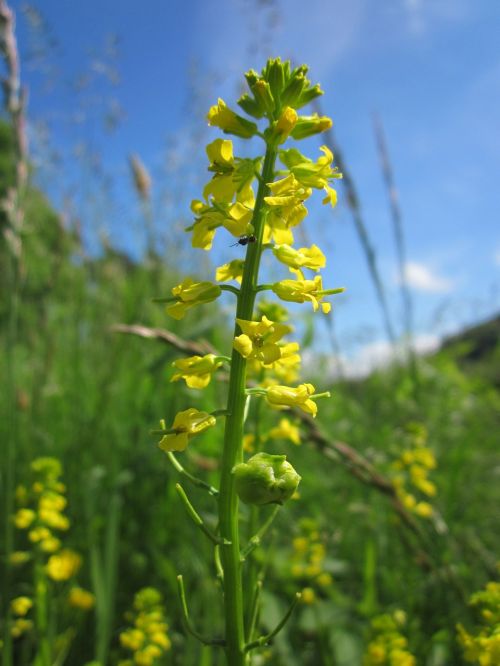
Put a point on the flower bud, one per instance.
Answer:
(265, 479)
(262, 93)
(308, 95)
(251, 106)
(281, 129)
(293, 90)
(310, 125)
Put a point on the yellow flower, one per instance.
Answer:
(54, 519)
(423, 509)
(259, 339)
(308, 596)
(235, 217)
(19, 557)
(286, 208)
(324, 580)
(293, 397)
(189, 293)
(63, 565)
(313, 174)
(132, 639)
(248, 443)
(24, 518)
(230, 271)
(197, 371)
(21, 605)
(300, 291)
(39, 534)
(285, 430)
(300, 544)
(284, 125)
(230, 122)
(305, 257)
(186, 424)
(232, 177)
(50, 545)
(80, 598)
(52, 502)
(20, 627)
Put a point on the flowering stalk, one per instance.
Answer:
(260, 222)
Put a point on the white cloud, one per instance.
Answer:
(422, 278)
(380, 353)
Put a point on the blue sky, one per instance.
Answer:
(429, 68)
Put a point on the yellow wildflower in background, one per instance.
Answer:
(285, 430)
(388, 646)
(21, 605)
(80, 598)
(483, 646)
(63, 565)
(147, 637)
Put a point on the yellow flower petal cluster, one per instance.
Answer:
(308, 560)
(21, 605)
(80, 598)
(285, 430)
(186, 424)
(235, 217)
(388, 645)
(259, 339)
(63, 565)
(233, 270)
(190, 293)
(483, 646)
(232, 176)
(41, 515)
(287, 396)
(300, 291)
(313, 174)
(411, 469)
(147, 637)
(304, 257)
(220, 115)
(197, 371)
(286, 208)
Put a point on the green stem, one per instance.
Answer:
(233, 436)
(41, 615)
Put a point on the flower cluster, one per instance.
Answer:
(146, 637)
(307, 563)
(412, 468)
(483, 646)
(388, 646)
(260, 201)
(41, 516)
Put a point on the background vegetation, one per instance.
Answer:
(85, 392)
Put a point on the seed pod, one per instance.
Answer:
(265, 479)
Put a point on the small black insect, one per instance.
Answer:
(244, 240)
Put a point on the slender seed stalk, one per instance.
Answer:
(233, 436)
